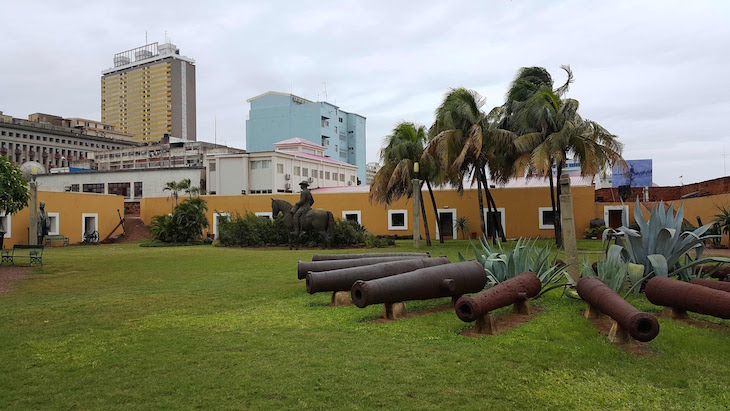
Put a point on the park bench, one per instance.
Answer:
(56, 237)
(34, 254)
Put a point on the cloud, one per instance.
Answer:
(651, 72)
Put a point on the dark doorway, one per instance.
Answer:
(615, 218)
(447, 225)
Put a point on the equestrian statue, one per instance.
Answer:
(302, 217)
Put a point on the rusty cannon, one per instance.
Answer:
(717, 285)
(449, 280)
(343, 279)
(682, 297)
(515, 290)
(723, 273)
(303, 267)
(325, 257)
(639, 325)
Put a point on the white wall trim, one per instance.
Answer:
(544, 226)
(405, 220)
(503, 219)
(216, 216)
(624, 214)
(451, 211)
(358, 213)
(265, 214)
(8, 225)
(51, 231)
(83, 223)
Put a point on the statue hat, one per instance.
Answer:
(304, 183)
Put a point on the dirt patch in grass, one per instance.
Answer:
(603, 325)
(419, 313)
(506, 322)
(10, 275)
(703, 324)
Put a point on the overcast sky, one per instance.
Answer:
(653, 73)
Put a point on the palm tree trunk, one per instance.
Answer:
(490, 215)
(425, 220)
(558, 220)
(435, 211)
(481, 203)
(552, 202)
(496, 222)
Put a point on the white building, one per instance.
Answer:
(131, 184)
(370, 170)
(278, 171)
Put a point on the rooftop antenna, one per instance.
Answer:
(724, 157)
(145, 37)
(166, 39)
(325, 91)
(215, 130)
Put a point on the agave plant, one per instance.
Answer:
(502, 263)
(660, 246)
(615, 271)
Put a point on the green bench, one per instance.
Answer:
(56, 237)
(34, 254)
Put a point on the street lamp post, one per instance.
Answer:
(416, 208)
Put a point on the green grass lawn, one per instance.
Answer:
(126, 327)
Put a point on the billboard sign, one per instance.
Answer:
(639, 174)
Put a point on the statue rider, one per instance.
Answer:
(302, 207)
(44, 223)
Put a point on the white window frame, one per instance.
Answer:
(83, 222)
(356, 212)
(544, 226)
(503, 218)
(265, 214)
(8, 225)
(216, 217)
(58, 224)
(624, 214)
(390, 220)
(451, 211)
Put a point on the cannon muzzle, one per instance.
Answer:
(640, 325)
(343, 279)
(679, 295)
(519, 288)
(448, 280)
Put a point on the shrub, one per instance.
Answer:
(250, 230)
(185, 225)
(595, 232)
(372, 241)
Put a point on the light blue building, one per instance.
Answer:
(275, 117)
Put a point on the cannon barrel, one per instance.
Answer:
(449, 280)
(689, 297)
(343, 279)
(303, 267)
(325, 257)
(640, 325)
(719, 272)
(717, 285)
(519, 288)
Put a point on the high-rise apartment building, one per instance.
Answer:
(150, 92)
(276, 117)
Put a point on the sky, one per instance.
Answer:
(652, 72)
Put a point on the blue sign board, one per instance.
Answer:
(638, 174)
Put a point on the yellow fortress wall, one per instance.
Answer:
(71, 208)
(521, 208)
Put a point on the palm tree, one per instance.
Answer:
(550, 129)
(404, 148)
(469, 142)
(722, 220)
(173, 188)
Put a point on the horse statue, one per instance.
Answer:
(315, 220)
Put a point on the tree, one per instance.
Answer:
(467, 142)
(722, 220)
(185, 225)
(175, 187)
(14, 194)
(404, 147)
(550, 129)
